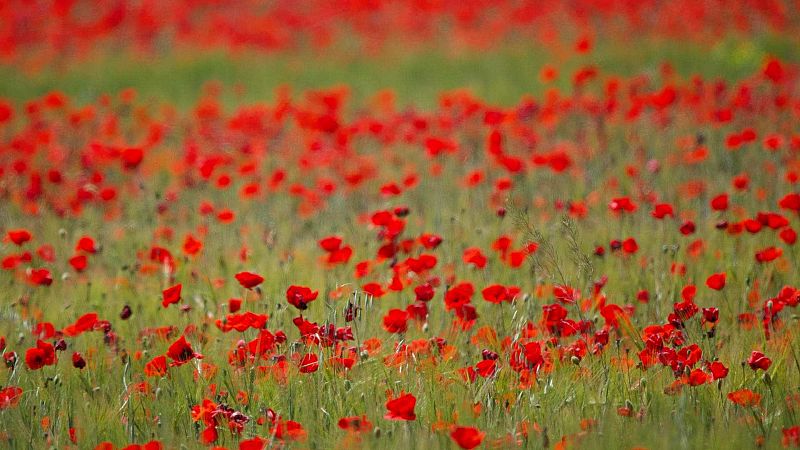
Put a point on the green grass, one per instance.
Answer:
(499, 76)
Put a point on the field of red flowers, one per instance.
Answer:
(388, 224)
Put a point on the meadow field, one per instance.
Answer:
(238, 224)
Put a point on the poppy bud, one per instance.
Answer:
(575, 360)
(62, 233)
(60, 345)
(501, 212)
(349, 313)
(489, 355)
(126, 312)
(77, 361)
(11, 359)
(401, 211)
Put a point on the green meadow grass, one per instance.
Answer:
(418, 77)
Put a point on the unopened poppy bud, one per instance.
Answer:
(629, 404)
(60, 345)
(401, 211)
(10, 358)
(77, 361)
(126, 312)
(377, 432)
(62, 233)
(575, 360)
(489, 355)
(767, 379)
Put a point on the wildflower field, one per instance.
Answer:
(394, 224)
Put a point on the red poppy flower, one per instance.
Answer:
(697, 377)
(43, 354)
(9, 397)
(331, 243)
(181, 352)
(566, 294)
(710, 315)
(131, 158)
(467, 437)
(157, 367)
(768, 254)
(745, 397)
(241, 322)
(716, 281)
(791, 436)
(374, 289)
(79, 262)
(758, 360)
(171, 295)
(720, 202)
(192, 246)
(40, 277)
(497, 293)
(662, 210)
(396, 321)
(622, 204)
(424, 292)
(309, 363)
(86, 244)
(253, 444)
(356, 424)
(19, 237)
(474, 256)
(687, 228)
(300, 296)
(630, 246)
(401, 408)
(718, 370)
(486, 368)
(249, 280)
(84, 323)
(340, 256)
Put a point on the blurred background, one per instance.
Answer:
(498, 49)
